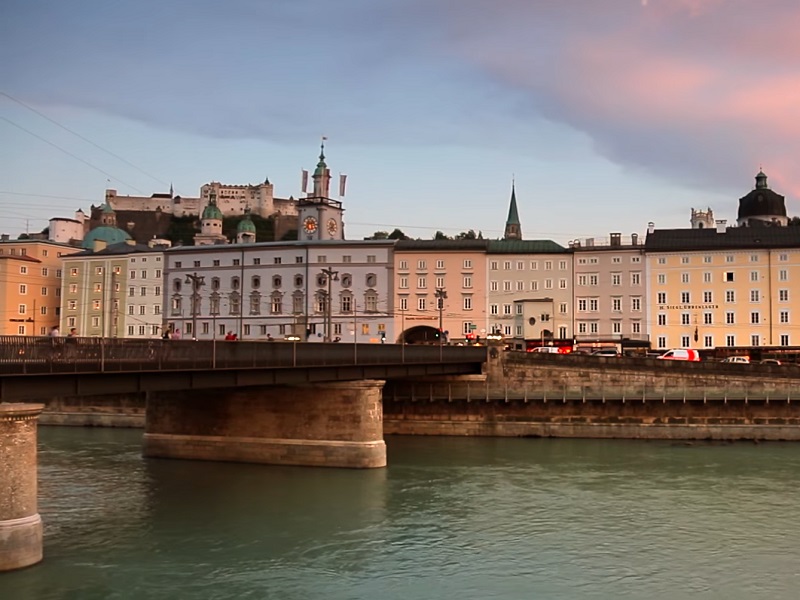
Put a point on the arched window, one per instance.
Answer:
(277, 281)
(255, 303)
(298, 281)
(176, 285)
(371, 301)
(276, 303)
(255, 282)
(235, 282)
(371, 279)
(215, 283)
(346, 302)
(347, 280)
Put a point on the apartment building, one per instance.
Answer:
(30, 285)
(610, 291)
(723, 287)
(312, 291)
(529, 291)
(114, 291)
(440, 288)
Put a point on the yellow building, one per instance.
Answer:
(30, 285)
(723, 287)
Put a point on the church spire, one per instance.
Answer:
(513, 229)
(322, 175)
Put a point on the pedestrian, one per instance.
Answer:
(73, 333)
(165, 335)
(176, 335)
(54, 332)
(230, 336)
(269, 337)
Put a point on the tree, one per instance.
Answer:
(378, 235)
(440, 236)
(794, 221)
(467, 235)
(398, 235)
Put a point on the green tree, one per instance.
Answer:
(398, 235)
(441, 236)
(378, 235)
(467, 235)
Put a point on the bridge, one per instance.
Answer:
(268, 402)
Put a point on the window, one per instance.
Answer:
(636, 304)
(616, 305)
(371, 301)
(548, 284)
(685, 317)
(371, 280)
(636, 327)
(783, 295)
(755, 317)
(45, 271)
(143, 291)
(493, 286)
(636, 259)
(662, 319)
(255, 282)
(685, 343)
(132, 274)
(616, 327)
(276, 260)
(783, 275)
(520, 286)
(493, 265)
(662, 260)
(783, 257)
(783, 316)
(403, 265)
(728, 276)
(507, 265)
(73, 272)
(23, 270)
(98, 270)
(506, 286)
(440, 282)
(753, 275)
(520, 265)
(684, 278)
(662, 279)
(707, 277)
(21, 309)
(708, 341)
(582, 280)
(404, 303)
(730, 318)
(685, 298)
(729, 258)
(534, 265)
(562, 284)
(594, 304)
(581, 327)
(493, 309)
(467, 302)
(593, 280)
(708, 318)
(755, 296)
(506, 309)
(784, 339)
(662, 341)
(730, 296)
(562, 265)
(421, 265)
(562, 308)
(706, 259)
(403, 283)
(23, 289)
(616, 279)
(421, 304)
(346, 303)
(684, 260)
(534, 286)
(582, 305)
(708, 297)
(131, 308)
(467, 282)
(636, 278)
(754, 339)
(662, 297)
(422, 282)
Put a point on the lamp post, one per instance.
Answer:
(331, 276)
(441, 295)
(196, 281)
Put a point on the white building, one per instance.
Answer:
(280, 290)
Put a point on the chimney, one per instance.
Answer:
(4, 237)
(576, 244)
(721, 225)
(616, 239)
(589, 242)
(651, 227)
(635, 239)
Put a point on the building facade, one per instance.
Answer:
(723, 287)
(114, 291)
(311, 291)
(610, 303)
(30, 285)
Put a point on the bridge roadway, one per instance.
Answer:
(34, 368)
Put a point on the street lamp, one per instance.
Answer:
(331, 276)
(440, 294)
(196, 281)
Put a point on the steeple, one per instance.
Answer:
(761, 181)
(513, 229)
(322, 175)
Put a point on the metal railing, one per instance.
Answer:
(41, 355)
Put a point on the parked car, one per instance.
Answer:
(606, 352)
(745, 360)
(680, 354)
(770, 361)
(545, 349)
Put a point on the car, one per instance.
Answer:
(743, 360)
(606, 352)
(770, 361)
(680, 354)
(546, 349)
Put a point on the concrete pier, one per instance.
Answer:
(20, 523)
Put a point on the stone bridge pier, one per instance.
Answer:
(322, 425)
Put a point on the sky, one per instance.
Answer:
(604, 115)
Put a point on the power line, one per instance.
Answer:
(67, 152)
(85, 139)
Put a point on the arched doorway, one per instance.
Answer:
(421, 334)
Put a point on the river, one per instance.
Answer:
(462, 518)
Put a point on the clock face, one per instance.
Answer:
(332, 226)
(310, 224)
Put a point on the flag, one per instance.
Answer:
(342, 182)
(305, 180)
(324, 137)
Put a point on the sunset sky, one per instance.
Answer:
(607, 114)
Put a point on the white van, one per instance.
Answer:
(681, 354)
(546, 349)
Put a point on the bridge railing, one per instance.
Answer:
(40, 355)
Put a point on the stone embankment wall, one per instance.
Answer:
(118, 410)
(542, 395)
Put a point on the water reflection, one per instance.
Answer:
(450, 517)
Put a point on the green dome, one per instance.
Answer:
(212, 211)
(104, 233)
(246, 225)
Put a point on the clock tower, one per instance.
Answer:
(320, 217)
